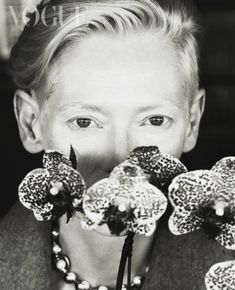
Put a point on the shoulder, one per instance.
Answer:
(16, 228)
(24, 250)
(181, 262)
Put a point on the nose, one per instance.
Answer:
(120, 146)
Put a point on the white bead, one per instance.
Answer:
(71, 277)
(137, 280)
(56, 249)
(55, 233)
(84, 285)
(61, 265)
(103, 288)
(124, 287)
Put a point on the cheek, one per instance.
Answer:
(61, 137)
(92, 150)
(169, 141)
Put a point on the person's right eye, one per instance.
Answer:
(84, 123)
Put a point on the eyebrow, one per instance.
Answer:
(101, 109)
(89, 107)
(148, 108)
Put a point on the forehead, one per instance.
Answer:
(114, 68)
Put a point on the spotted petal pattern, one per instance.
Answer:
(161, 167)
(196, 196)
(35, 189)
(227, 235)
(183, 222)
(190, 190)
(221, 276)
(33, 194)
(125, 200)
(226, 169)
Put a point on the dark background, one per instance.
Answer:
(217, 73)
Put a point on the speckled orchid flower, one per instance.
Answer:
(125, 201)
(206, 198)
(160, 167)
(221, 276)
(55, 189)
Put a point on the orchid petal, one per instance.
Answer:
(221, 276)
(33, 190)
(45, 214)
(52, 159)
(226, 168)
(227, 236)
(142, 229)
(97, 200)
(183, 222)
(161, 167)
(72, 180)
(191, 190)
(149, 203)
(87, 224)
(128, 173)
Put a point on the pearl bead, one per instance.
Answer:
(103, 288)
(56, 249)
(137, 280)
(84, 285)
(55, 234)
(61, 265)
(124, 287)
(70, 277)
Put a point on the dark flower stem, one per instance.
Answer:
(126, 254)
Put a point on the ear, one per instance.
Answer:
(27, 114)
(195, 113)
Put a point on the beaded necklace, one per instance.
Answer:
(62, 264)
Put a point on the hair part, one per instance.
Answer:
(39, 47)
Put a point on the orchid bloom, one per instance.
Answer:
(55, 189)
(206, 198)
(221, 276)
(125, 200)
(131, 198)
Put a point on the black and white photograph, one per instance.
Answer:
(117, 144)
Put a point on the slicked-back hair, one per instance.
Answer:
(66, 22)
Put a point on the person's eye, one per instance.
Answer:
(158, 120)
(84, 123)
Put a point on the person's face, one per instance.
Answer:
(112, 94)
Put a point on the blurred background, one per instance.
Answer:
(217, 74)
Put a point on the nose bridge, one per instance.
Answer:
(121, 143)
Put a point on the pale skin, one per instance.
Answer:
(107, 91)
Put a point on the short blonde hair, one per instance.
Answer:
(39, 46)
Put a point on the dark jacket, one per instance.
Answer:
(178, 262)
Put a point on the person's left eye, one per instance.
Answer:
(158, 120)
